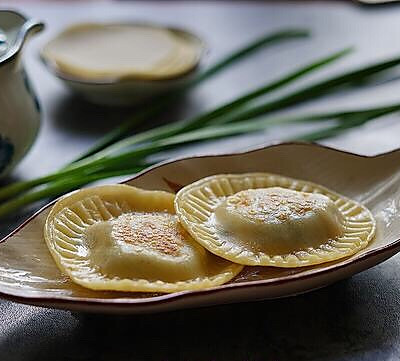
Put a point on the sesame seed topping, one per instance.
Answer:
(158, 231)
(274, 203)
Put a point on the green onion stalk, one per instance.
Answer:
(164, 102)
(112, 157)
(178, 127)
(133, 161)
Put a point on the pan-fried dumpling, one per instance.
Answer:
(127, 239)
(270, 220)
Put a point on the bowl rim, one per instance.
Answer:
(125, 79)
(56, 300)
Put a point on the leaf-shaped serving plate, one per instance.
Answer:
(28, 274)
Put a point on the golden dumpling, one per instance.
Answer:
(271, 220)
(127, 239)
(279, 220)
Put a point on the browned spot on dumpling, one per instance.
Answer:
(271, 220)
(158, 231)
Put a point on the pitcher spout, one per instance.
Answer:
(15, 29)
(30, 27)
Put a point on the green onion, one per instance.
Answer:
(174, 128)
(60, 187)
(164, 102)
(204, 119)
(343, 125)
(231, 129)
(240, 116)
(347, 119)
(314, 91)
(308, 92)
(101, 170)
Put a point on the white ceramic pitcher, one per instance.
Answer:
(19, 108)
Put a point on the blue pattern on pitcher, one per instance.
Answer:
(6, 152)
(20, 115)
(29, 89)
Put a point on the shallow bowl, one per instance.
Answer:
(29, 275)
(126, 91)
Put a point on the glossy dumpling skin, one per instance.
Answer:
(278, 220)
(127, 239)
(271, 220)
(125, 247)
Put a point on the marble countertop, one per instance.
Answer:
(356, 319)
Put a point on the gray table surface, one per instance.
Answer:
(356, 319)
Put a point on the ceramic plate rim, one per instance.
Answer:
(169, 297)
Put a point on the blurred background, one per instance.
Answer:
(70, 124)
(290, 329)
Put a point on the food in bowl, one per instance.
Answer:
(121, 51)
(123, 64)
